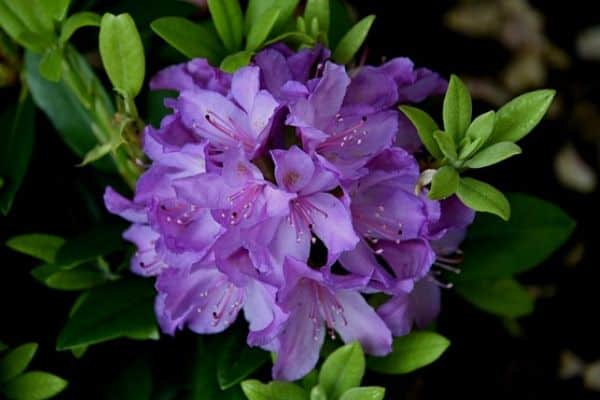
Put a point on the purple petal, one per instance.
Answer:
(360, 322)
(119, 205)
(244, 86)
(331, 222)
(299, 344)
(202, 299)
(293, 168)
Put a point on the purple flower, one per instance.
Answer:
(346, 140)
(314, 307)
(242, 121)
(286, 191)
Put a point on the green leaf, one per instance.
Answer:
(204, 383)
(256, 390)
(483, 197)
(236, 61)
(227, 16)
(493, 155)
(318, 393)
(468, 148)
(3, 346)
(444, 183)
(10, 22)
(259, 32)
(33, 14)
(318, 10)
(237, 361)
(342, 21)
(16, 145)
(519, 116)
(56, 8)
(51, 64)
(81, 277)
(16, 361)
(88, 246)
(342, 370)
(504, 297)
(98, 152)
(457, 109)
(364, 393)
(257, 8)
(76, 22)
(190, 39)
(295, 39)
(38, 245)
(500, 250)
(123, 308)
(79, 352)
(482, 127)
(132, 381)
(410, 353)
(122, 53)
(446, 144)
(353, 40)
(34, 385)
(425, 126)
(75, 127)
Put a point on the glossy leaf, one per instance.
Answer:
(227, 16)
(483, 197)
(16, 146)
(457, 109)
(81, 277)
(468, 148)
(38, 245)
(342, 370)
(259, 32)
(446, 144)
(34, 385)
(444, 183)
(257, 8)
(75, 127)
(190, 39)
(57, 9)
(16, 361)
(123, 308)
(364, 393)
(256, 390)
(76, 22)
(503, 297)
(122, 53)
(353, 40)
(482, 126)
(425, 126)
(11, 22)
(318, 10)
(318, 393)
(97, 153)
(410, 353)
(519, 116)
(33, 14)
(88, 246)
(500, 250)
(237, 361)
(236, 61)
(51, 64)
(493, 155)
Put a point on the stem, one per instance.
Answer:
(103, 124)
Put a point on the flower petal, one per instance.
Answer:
(362, 323)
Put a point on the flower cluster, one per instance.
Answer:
(287, 190)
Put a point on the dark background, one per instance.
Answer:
(485, 359)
